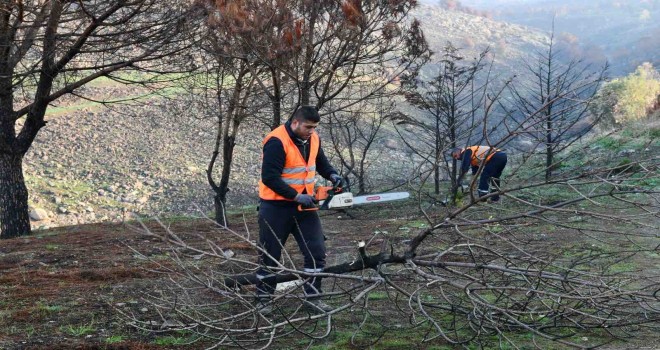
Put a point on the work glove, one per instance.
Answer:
(305, 200)
(336, 180)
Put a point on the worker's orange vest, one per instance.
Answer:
(479, 153)
(297, 173)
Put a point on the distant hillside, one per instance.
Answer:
(626, 33)
(510, 44)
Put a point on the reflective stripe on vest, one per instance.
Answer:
(297, 173)
(479, 152)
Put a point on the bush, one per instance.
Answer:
(629, 98)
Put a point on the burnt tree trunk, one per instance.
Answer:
(549, 151)
(14, 218)
(223, 187)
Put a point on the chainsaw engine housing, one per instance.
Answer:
(341, 200)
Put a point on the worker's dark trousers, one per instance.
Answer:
(491, 175)
(275, 225)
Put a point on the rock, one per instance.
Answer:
(391, 144)
(62, 210)
(38, 214)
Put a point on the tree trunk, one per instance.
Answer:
(223, 188)
(438, 150)
(276, 100)
(548, 148)
(219, 201)
(548, 161)
(14, 218)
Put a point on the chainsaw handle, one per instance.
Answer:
(305, 208)
(301, 208)
(340, 185)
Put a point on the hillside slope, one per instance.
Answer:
(510, 44)
(94, 164)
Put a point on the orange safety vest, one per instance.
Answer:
(479, 152)
(297, 173)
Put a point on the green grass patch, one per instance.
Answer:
(52, 247)
(418, 224)
(608, 142)
(50, 308)
(654, 134)
(79, 330)
(171, 340)
(115, 339)
(378, 296)
(623, 267)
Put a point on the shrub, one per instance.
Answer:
(630, 98)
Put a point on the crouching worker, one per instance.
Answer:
(474, 156)
(292, 155)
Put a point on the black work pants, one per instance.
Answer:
(276, 223)
(491, 175)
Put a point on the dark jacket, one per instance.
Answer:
(466, 164)
(273, 164)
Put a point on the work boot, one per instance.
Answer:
(317, 306)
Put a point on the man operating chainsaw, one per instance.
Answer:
(474, 156)
(292, 155)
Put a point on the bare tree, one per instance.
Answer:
(222, 91)
(354, 134)
(451, 101)
(320, 48)
(52, 48)
(564, 93)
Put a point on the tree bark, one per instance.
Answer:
(219, 201)
(549, 147)
(223, 187)
(14, 218)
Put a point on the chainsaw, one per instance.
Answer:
(336, 197)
